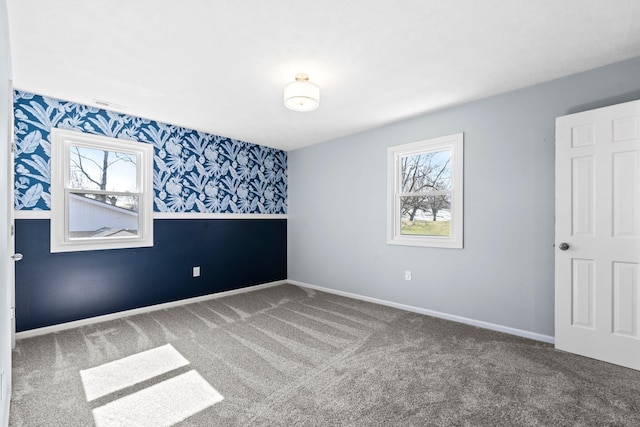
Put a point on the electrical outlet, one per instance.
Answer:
(196, 271)
(407, 275)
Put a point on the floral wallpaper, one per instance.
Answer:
(193, 171)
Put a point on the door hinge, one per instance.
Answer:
(12, 312)
(13, 148)
(11, 229)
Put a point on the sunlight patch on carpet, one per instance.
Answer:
(162, 404)
(122, 373)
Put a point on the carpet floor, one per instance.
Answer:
(288, 356)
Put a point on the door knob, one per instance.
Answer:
(563, 246)
(16, 257)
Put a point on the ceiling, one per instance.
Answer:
(220, 66)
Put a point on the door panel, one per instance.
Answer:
(626, 217)
(582, 289)
(598, 217)
(582, 198)
(625, 299)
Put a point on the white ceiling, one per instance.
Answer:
(220, 66)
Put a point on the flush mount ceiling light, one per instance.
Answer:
(301, 95)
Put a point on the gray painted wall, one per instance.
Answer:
(504, 274)
(5, 295)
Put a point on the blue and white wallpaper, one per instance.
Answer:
(193, 171)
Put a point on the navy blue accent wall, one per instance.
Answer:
(62, 287)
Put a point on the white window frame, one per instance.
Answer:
(455, 143)
(61, 140)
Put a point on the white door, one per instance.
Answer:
(597, 312)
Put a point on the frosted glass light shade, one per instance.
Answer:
(301, 95)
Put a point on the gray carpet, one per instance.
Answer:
(286, 356)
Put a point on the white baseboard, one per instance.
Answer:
(126, 313)
(107, 317)
(479, 323)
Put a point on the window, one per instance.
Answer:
(425, 197)
(101, 192)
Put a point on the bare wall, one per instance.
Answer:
(504, 274)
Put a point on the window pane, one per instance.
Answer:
(429, 171)
(93, 169)
(103, 216)
(426, 215)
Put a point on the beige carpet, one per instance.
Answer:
(286, 356)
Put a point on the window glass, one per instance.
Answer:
(422, 212)
(429, 171)
(426, 215)
(94, 169)
(105, 216)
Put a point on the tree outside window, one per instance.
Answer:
(424, 210)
